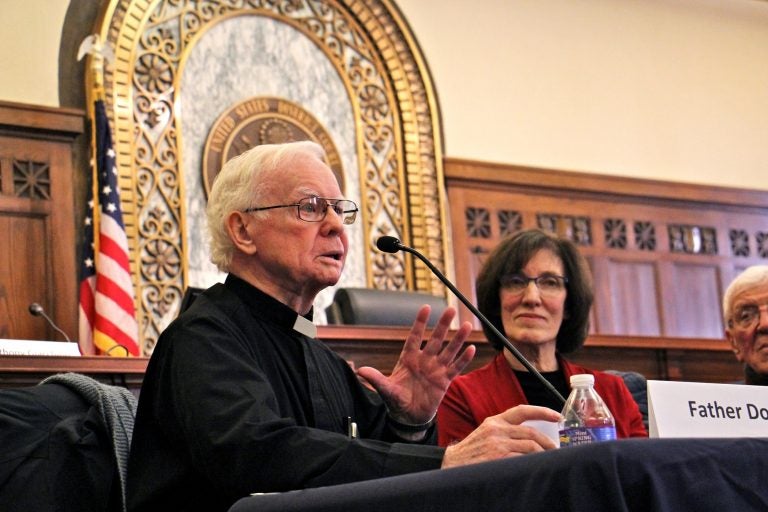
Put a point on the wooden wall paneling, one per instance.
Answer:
(19, 371)
(26, 235)
(700, 366)
(22, 280)
(694, 311)
(593, 320)
(474, 226)
(38, 244)
(685, 309)
(626, 299)
(661, 253)
(696, 360)
(650, 363)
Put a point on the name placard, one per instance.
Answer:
(38, 348)
(693, 409)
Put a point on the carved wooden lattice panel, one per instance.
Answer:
(660, 264)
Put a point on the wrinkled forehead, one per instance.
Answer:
(303, 175)
(756, 294)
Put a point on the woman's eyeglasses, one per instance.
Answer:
(548, 284)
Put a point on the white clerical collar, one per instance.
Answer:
(305, 327)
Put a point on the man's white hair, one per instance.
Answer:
(752, 277)
(244, 181)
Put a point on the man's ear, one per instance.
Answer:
(243, 239)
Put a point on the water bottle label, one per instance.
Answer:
(573, 436)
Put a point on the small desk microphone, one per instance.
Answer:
(36, 309)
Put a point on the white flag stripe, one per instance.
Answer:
(112, 229)
(109, 309)
(112, 270)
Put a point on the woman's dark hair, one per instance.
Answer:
(510, 256)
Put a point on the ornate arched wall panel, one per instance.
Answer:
(354, 66)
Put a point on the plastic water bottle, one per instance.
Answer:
(586, 417)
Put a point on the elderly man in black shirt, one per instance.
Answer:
(240, 397)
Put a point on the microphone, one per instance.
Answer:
(391, 244)
(36, 309)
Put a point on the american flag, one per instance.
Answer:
(107, 314)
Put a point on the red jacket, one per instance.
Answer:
(492, 389)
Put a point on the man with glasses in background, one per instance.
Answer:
(745, 314)
(240, 397)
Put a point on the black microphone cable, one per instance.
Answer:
(36, 309)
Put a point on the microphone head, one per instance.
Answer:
(35, 309)
(388, 244)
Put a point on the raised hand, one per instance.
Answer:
(421, 376)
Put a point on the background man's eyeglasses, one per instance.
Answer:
(748, 315)
(548, 284)
(314, 209)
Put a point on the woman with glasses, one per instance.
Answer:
(535, 288)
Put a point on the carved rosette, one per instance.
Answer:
(396, 130)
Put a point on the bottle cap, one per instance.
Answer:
(582, 379)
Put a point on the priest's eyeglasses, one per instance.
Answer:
(747, 316)
(548, 284)
(314, 209)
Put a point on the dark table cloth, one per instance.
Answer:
(632, 474)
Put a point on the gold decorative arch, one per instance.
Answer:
(396, 128)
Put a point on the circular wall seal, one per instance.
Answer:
(263, 120)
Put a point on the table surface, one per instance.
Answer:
(634, 474)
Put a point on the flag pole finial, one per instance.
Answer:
(100, 52)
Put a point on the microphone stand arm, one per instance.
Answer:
(487, 323)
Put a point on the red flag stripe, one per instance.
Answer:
(116, 279)
(86, 315)
(119, 275)
(110, 227)
(86, 299)
(106, 287)
(112, 241)
(109, 248)
(108, 308)
(114, 333)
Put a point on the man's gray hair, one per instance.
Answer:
(244, 181)
(754, 276)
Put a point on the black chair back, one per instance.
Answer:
(369, 306)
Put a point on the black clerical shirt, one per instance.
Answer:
(235, 401)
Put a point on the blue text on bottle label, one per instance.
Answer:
(582, 435)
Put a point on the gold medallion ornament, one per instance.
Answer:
(263, 120)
